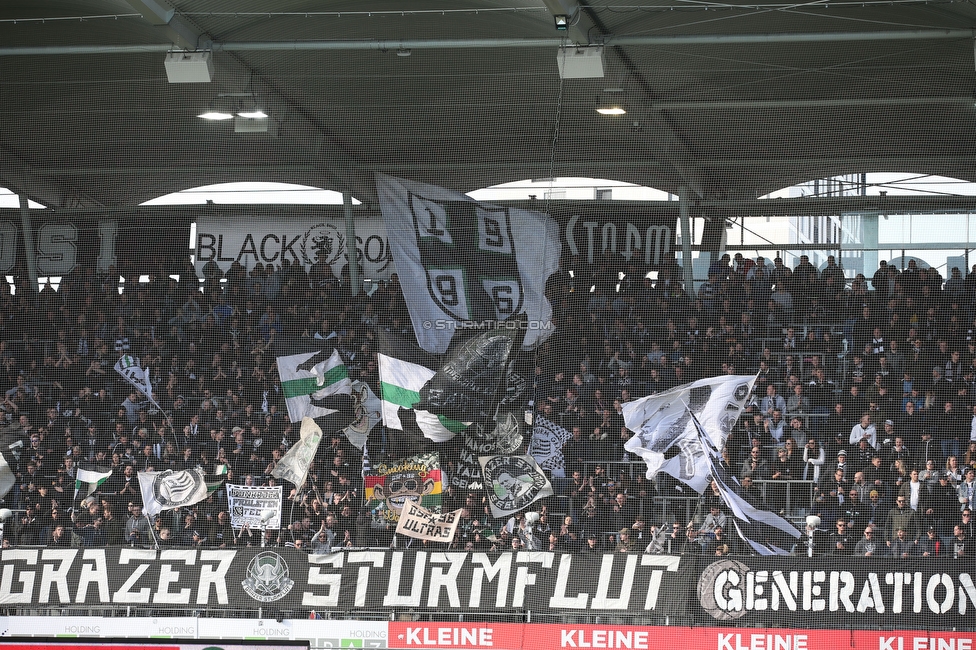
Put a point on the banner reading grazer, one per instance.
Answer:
(388, 486)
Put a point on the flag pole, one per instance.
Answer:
(151, 533)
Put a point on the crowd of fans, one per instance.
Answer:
(863, 404)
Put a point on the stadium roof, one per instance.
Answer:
(730, 99)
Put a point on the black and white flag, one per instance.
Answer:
(513, 483)
(547, 443)
(169, 489)
(11, 447)
(665, 436)
(463, 262)
(765, 532)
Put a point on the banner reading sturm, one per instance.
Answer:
(831, 592)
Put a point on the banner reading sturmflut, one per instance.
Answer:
(460, 261)
(419, 522)
(248, 504)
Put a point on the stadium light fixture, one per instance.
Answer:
(215, 115)
(611, 108)
(609, 103)
(189, 66)
(562, 22)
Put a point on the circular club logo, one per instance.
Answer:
(174, 489)
(322, 243)
(267, 577)
(714, 586)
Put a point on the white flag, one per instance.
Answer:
(293, 466)
(128, 366)
(765, 532)
(168, 489)
(547, 443)
(663, 421)
(513, 482)
(463, 261)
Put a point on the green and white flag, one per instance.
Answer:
(400, 384)
(128, 366)
(311, 375)
(89, 477)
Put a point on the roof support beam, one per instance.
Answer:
(233, 75)
(174, 27)
(18, 176)
(492, 43)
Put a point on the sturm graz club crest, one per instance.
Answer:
(174, 489)
(267, 577)
(322, 244)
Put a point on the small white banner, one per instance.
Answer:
(419, 522)
(258, 507)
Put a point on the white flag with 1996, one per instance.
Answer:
(459, 260)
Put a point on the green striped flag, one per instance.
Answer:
(311, 375)
(90, 476)
(400, 384)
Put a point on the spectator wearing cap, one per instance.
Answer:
(840, 463)
(929, 544)
(592, 546)
(198, 539)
